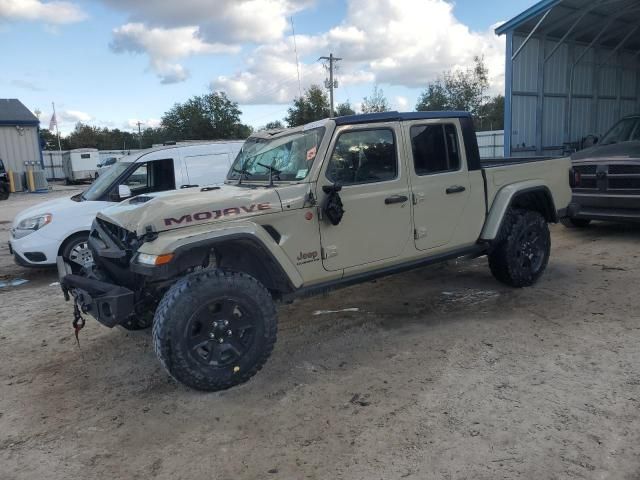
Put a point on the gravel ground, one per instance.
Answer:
(440, 373)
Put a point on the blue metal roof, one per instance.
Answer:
(530, 13)
(397, 116)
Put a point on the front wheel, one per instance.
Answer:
(215, 329)
(76, 251)
(521, 252)
(4, 191)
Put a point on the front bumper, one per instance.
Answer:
(34, 250)
(110, 304)
(607, 207)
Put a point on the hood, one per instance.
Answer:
(55, 207)
(192, 206)
(615, 151)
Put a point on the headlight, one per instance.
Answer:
(148, 259)
(30, 225)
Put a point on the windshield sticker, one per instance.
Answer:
(302, 173)
(311, 153)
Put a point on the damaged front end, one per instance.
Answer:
(108, 290)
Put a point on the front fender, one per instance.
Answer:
(503, 200)
(183, 240)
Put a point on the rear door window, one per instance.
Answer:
(435, 148)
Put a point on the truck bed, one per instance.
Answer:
(552, 172)
(501, 161)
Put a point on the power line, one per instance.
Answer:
(331, 83)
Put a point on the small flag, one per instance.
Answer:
(53, 122)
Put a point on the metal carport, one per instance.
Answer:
(572, 70)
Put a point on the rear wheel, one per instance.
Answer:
(521, 252)
(76, 251)
(575, 222)
(215, 329)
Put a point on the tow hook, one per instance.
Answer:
(78, 321)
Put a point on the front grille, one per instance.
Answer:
(624, 183)
(123, 237)
(588, 183)
(624, 169)
(586, 169)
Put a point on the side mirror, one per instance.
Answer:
(336, 187)
(124, 192)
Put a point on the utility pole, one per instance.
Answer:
(331, 83)
(139, 123)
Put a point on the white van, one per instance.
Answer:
(61, 227)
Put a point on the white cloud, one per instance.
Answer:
(164, 46)
(397, 42)
(74, 116)
(225, 21)
(56, 12)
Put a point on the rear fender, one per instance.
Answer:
(532, 194)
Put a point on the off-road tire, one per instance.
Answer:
(4, 191)
(183, 302)
(575, 222)
(509, 254)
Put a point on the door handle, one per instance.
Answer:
(396, 199)
(455, 189)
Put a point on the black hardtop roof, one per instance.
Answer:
(397, 116)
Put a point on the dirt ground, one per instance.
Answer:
(441, 373)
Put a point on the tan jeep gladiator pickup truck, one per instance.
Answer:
(305, 210)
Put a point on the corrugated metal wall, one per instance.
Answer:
(491, 143)
(19, 145)
(545, 119)
(52, 160)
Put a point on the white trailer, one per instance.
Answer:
(80, 165)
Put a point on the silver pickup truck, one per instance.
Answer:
(302, 211)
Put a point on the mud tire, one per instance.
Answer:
(521, 252)
(192, 301)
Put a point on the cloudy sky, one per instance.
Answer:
(114, 62)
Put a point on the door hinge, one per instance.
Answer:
(330, 251)
(420, 233)
(418, 198)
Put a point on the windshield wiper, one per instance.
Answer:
(272, 170)
(243, 173)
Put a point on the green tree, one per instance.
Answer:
(376, 103)
(312, 106)
(491, 115)
(458, 90)
(275, 125)
(49, 140)
(344, 109)
(205, 117)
